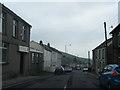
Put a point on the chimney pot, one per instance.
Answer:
(48, 44)
(41, 42)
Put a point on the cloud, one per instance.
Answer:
(79, 24)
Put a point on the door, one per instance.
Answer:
(21, 63)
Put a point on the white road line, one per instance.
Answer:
(65, 87)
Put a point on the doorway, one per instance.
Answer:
(21, 63)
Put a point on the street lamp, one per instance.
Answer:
(66, 47)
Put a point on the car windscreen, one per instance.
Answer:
(58, 68)
(67, 68)
(117, 69)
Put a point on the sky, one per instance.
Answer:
(76, 25)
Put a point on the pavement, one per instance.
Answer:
(92, 74)
(22, 80)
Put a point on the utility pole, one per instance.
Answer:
(66, 48)
(89, 59)
(106, 48)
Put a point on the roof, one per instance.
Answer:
(43, 45)
(55, 50)
(11, 12)
(117, 28)
(47, 48)
(103, 44)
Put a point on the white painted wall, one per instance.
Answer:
(53, 62)
(56, 60)
(59, 59)
(47, 60)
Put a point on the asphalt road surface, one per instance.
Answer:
(84, 80)
(75, 79)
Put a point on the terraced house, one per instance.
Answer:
(36, 57)
(99, 55)
(116, 44)
(14, 46)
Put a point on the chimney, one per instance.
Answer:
(48, 44)
(41, 42)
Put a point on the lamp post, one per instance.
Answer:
(89, 59)
(66, 47)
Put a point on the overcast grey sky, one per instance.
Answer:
(62, 23)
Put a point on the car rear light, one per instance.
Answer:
(114, 73)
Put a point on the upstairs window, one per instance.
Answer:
(24, 33)
(3, 23)
(118, 39)
(99, 54)
(0, 22)
(96, 53)
(15, 28)
(103, 53)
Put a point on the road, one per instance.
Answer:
(75, 79)
(84, 80)
(57, 81)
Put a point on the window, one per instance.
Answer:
(23, 33)
(99, 54)
(103, 53)
(33, 57)
(3, 52)
(15, 27)
(37, 58)
(3, 23)
(40, 58)
(119, 39)
(96, 54)
(0, 22)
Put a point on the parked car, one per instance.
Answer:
(78, 68)
(68, 69)
(59, 70)
(110, 76)
(85, 69)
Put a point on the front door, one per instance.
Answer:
(21, 63)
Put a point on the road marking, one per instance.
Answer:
(65, 87)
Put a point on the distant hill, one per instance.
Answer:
(74, 58)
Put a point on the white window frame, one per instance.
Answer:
(23, 33)
(15, 25)
(6, 48)
(3, 17)
(37, 58)
(33, 57)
